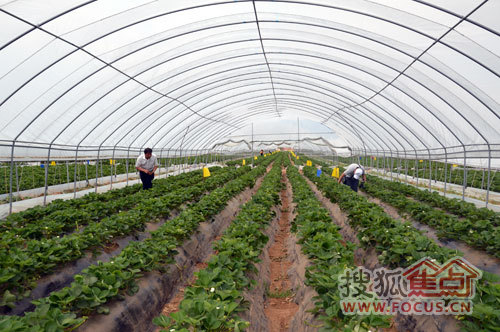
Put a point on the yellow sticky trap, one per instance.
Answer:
(297, 157)
(374, 158)
(255, 157)
(421, 161)
(455, 165)
(111, 161)
(52, 163)
(206, 172)
(244, 162)
(309, 163)
(335, 172)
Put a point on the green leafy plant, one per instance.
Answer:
(215, 298)
(98, 284)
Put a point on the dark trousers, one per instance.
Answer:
(147, 180)
(352, 182)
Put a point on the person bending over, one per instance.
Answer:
(147, 164)
(352, 174)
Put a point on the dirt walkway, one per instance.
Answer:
(280, 306)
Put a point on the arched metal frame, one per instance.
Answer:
(300, 87)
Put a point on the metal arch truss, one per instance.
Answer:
(260, 36)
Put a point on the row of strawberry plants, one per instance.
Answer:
(95, 286)
(16, 229)
(30, 177)
(329, 256)
(21, 265)
(401, 245)
(64, 215)
(452, 205)
(480, 234)
(212, 303)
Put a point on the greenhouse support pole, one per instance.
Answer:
(167, 160)
(406, 168)
(159, 162)
(417, 162)
(383, 165)
(430, 171)
(87, 173)
(182, 142)
(392, 165)
(398, 166)
(436, 171)
(67, 172)
(252, 146)
(298, 135)
(175, 161)
(46, 178)
(482, 180)
(464, 184)
(489, 172)
(191, 160)
(126, 164)
(195, 158)
(74, 183)
(97, 168)
(17, 179)
(111, 169)
(11, 173)
(445, 169)
(451, 174)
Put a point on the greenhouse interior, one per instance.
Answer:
(265, 165)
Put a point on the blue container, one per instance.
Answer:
(318, 173)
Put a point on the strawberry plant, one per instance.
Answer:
(329, 256)
(100, 283)
(24, 263)
(480, 234)
(401, 245)
(213, 301)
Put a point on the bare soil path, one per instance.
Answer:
(280, 306)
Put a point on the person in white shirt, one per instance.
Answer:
(147, 164)
(352, 174)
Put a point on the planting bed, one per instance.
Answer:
(249, 248)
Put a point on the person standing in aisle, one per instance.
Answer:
(261, 153)
(147, 164)
(352, 174)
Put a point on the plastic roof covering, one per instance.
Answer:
(405, 77)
